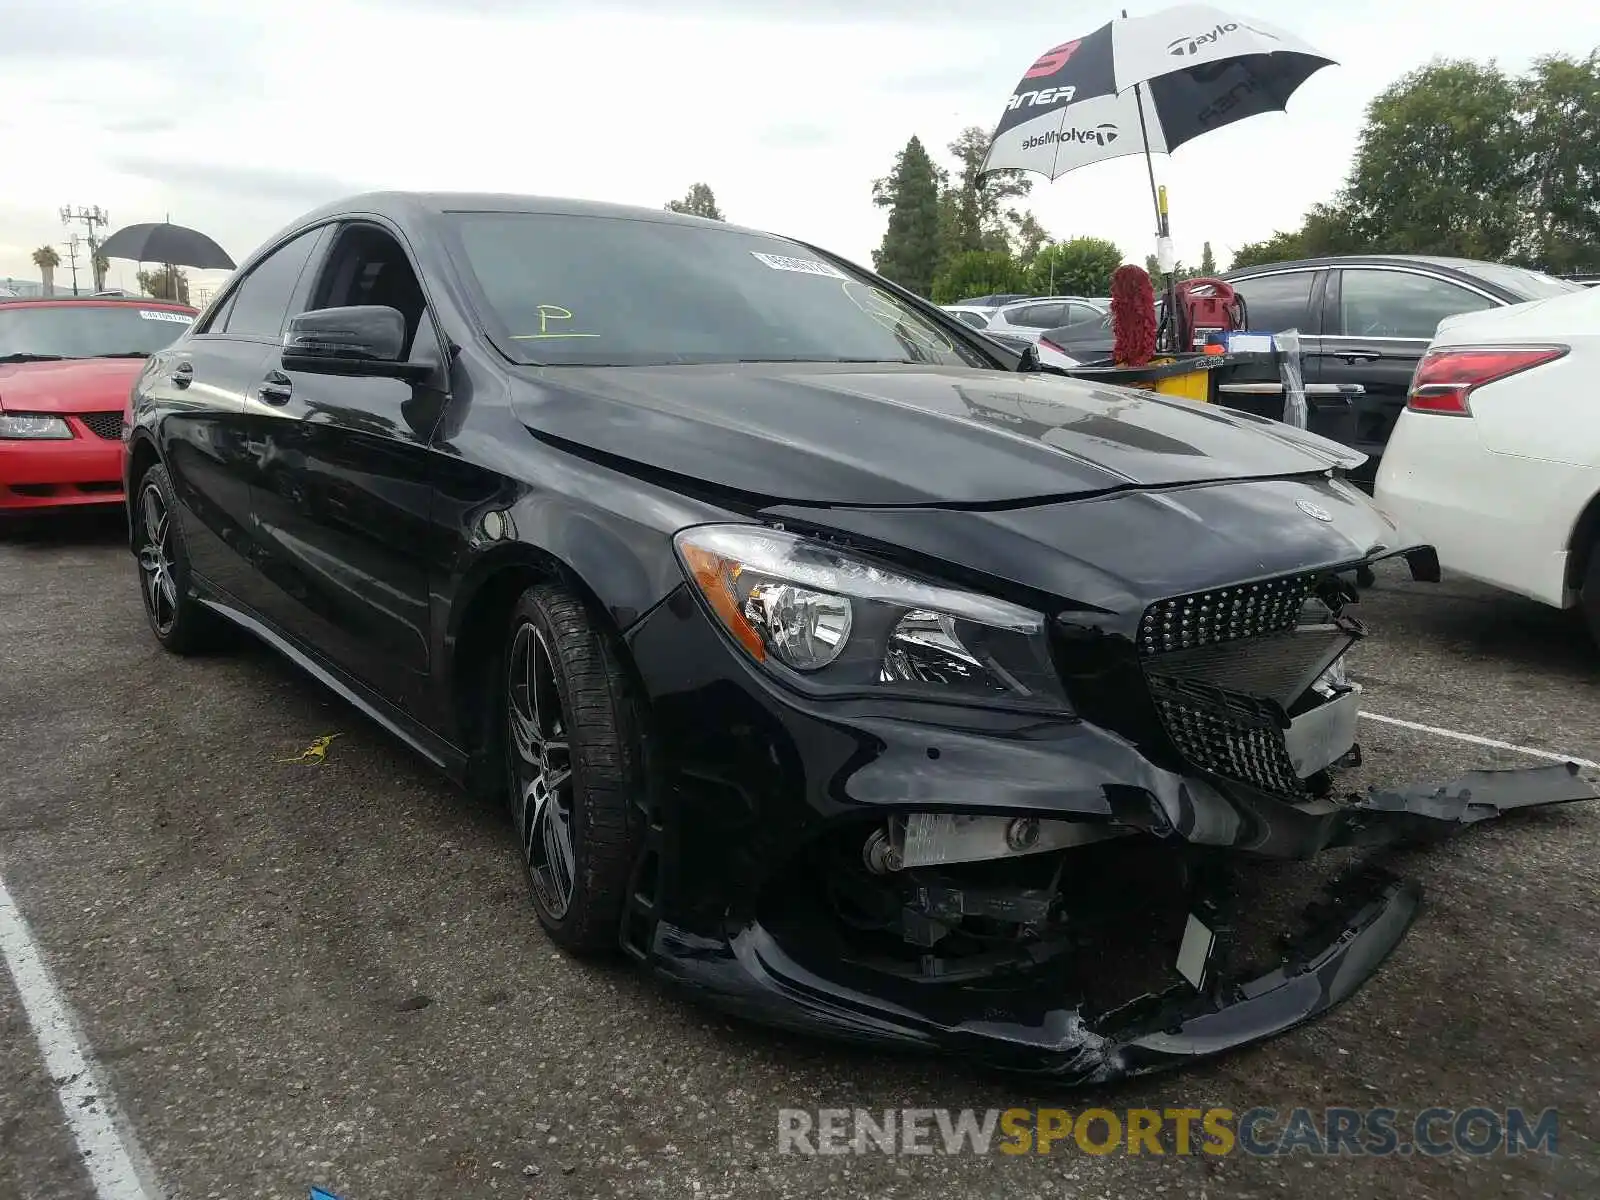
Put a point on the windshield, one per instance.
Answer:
(1532, 285)
(74, 330)
(615, 291)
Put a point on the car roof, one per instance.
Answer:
(400, 205)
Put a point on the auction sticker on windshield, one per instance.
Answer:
(805, 266)
(151, 314)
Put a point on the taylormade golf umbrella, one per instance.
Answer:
(1186, 70)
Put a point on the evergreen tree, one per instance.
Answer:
(910, 251)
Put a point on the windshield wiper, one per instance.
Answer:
(19, 358)
(126, 354)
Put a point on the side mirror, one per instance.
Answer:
(361, 339)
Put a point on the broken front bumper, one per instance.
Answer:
(1342, 940)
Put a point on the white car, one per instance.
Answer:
(1028, 319)
(1496, 459)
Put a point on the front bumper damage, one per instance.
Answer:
(1344, 935)
(1117, 907)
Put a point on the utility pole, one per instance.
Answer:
(91, 217)
(72, 257)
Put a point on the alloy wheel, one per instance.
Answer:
(156, 560)
(541, 770)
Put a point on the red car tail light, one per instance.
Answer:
(1445, 378)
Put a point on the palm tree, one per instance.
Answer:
(47, 260)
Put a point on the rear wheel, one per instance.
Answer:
(180, 622)
(575, 759)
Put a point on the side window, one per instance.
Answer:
(1039, 316)
(217, 320)
(1275, 303)
(976, 320)
(261, 302)
(1400, 304)
(1082, 312)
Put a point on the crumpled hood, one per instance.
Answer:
(70, 386)
(887, 434)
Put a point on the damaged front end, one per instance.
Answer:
(1123, 891)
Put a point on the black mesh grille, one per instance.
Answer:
(1227, 735)
(107, 425)
(1225, 666)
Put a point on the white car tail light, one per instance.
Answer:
(1446, 377)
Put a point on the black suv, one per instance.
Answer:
(1364, 319)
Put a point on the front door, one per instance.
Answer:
(343, 492)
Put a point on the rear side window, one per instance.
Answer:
(1275, 303)
(1400, 304)
(1038, 316)
(261, 301)
(976, 320)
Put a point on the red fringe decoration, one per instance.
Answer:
(1133, 316)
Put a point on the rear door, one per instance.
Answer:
(202, 388)
(1379, 322)
(1030, 320)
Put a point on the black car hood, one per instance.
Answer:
(888, 434)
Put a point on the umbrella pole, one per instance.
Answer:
(1169, 323)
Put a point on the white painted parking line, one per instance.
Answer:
(1478, 741)
(108, 1153)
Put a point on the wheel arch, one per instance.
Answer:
(475, 634)
(142, 455)
(1584, 543)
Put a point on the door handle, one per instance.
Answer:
(276, 388)
(1355, 356)
(183, 374)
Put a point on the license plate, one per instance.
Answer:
(1194, 955)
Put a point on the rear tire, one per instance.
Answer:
(1591, 593)
(180, 622)
(574, 764)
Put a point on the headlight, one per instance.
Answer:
(835, 624)
(17, 425)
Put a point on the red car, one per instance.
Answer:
(66, 368)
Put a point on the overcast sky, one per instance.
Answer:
(235, 117)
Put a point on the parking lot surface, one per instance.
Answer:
(290, 975)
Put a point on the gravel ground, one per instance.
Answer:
(330, 975)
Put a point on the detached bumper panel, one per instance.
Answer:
(751, 975)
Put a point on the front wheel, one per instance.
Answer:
(180, 622)
(575, 764)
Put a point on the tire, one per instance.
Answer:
(1591, 592)
(573, 771)
(180, 622)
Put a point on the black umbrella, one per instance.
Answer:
(163, 242)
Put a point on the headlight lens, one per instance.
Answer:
(20, 425)
(834, 623)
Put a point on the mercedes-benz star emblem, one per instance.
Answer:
(1311, 510)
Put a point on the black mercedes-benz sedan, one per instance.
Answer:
(846, 668)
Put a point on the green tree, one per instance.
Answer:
(1559, 100)
(165, 283)
(100, 264)
(911, 250)
(1437, 165)
(1325, 230)
(1208, 262)
(699, 201)
(1080, 266)
(1030, 237)
(984, 219)
(978, 273)
(47, 260)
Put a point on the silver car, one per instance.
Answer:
(1027, 319)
